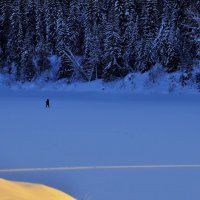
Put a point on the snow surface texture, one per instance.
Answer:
(98, 129)
(10, 190)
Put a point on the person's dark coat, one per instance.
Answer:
(47, 103)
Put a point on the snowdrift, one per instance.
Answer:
(26, 191)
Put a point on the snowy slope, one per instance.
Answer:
(155, 81)
(26, 191)
(96, 129)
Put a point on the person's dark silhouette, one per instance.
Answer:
(47, 103)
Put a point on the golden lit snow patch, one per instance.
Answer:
(10, 190)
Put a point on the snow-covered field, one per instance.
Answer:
(98, 129)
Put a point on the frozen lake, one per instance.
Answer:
(98, 129)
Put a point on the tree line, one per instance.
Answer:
(95, 39)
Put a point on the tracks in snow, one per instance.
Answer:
(82, 168)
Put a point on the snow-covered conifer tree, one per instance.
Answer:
(5, 9)
(41, 54)
(50, 24)
(62, 45)
(150, 25)
(167, 42)
(13, 37)
(93, 48)
(29, 42)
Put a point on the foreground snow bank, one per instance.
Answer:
(22, 191)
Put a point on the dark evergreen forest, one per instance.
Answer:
(95, 39)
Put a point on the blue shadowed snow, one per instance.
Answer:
(97, 128)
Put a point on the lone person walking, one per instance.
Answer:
(47, 103)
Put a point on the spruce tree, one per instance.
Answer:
(167, 42)
(114, 42)
(150, 29)
(13, 40)
(5, 9)
(93, 48)
(75, 23)
(41, 53)
(29, 42)
(50, 25)
(62, 44)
